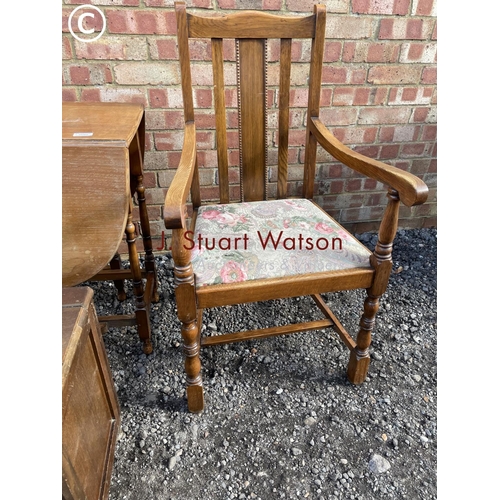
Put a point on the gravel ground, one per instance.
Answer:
(281, 420)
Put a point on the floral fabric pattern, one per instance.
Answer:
(269, 239)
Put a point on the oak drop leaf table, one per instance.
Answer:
(102, 160)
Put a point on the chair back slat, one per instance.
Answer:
(284, 114)
(220, 119)
(252, 117)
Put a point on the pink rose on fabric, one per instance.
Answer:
(232, 272)
(323, 228)
(342, 234)
(230, 220)
(210, 214)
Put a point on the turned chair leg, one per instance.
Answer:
(381, 261)
(187, 313)
(359, 360)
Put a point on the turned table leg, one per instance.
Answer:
(141, 312)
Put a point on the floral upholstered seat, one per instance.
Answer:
(254, 240)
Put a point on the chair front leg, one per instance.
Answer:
(381, 261)
(185, 295)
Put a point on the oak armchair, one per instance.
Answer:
(261, 249)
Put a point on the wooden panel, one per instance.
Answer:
(252, 96)
(96, 197)
(284, 103)
(220, 119)
(90, 411)
(250, 25)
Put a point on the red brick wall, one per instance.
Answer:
(379, 94)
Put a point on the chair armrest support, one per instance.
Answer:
(175, 210)
(411, 189)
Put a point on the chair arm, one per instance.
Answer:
(175, 210)
(411, 189)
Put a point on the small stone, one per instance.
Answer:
(379, 464)
(310, 421)
(343, 461)
(279, 391)
(296, 451)
(171, 462)
(384, 437)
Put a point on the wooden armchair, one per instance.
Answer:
(261, 249)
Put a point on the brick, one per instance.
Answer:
(66, 48)
(332, 51)
(405, 28)
(347, 96)
(424, 8)
(201, 4)
(397, 7)
(164, 120)
(112, 48)
(87, 74)
(95, 22)
(395, 74)
(418, 53)
(124, 3)
(383, 115)
(203, 98)
(415, 149)
(419, 115)
(356, 135)
(271, 5)
(121, 94)
(334, 6)
(429, 133)
(200, 50)
(141, 22)
(169, 141)
(349, 28)
(156, 160)
(429, 76)
(69, 95)
(147, 73)
(174, 98)
(163, 48)
(410, 95)
(338, 116)
(157, 98)
(406, 133)
(155, 196)
(389, 152)
(378, 96)
(90, 95)
(201, 74)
